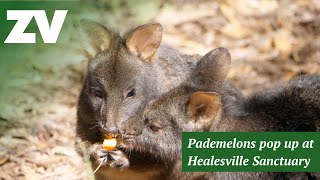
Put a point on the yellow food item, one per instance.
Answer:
(109, 144)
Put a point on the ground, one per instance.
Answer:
(269, 41)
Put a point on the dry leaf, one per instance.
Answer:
(283, 42)
(3, 159)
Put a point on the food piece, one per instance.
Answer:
(109, 144)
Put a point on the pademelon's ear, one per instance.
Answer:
(204, 106)
(212, 69)
(94, 37)
(145, 40)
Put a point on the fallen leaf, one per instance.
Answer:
(3, 159)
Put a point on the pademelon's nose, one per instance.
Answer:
(110, 130)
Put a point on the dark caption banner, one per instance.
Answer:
(250, 152)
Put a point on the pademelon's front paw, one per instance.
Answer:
(118, 159)
(98, 154)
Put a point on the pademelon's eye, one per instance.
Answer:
(155, 127)
(131, 93)
(97, 92)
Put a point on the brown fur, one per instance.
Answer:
(124, 74)
(294, 107)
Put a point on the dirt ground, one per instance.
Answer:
(270, 42)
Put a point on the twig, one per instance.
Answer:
(100, 165)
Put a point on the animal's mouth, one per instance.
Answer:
(128, 141)
(111, 135)
(123, 140)
(131, 143)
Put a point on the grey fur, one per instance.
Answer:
(112, 72)
(293, 107)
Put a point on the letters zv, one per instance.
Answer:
(48, 32)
